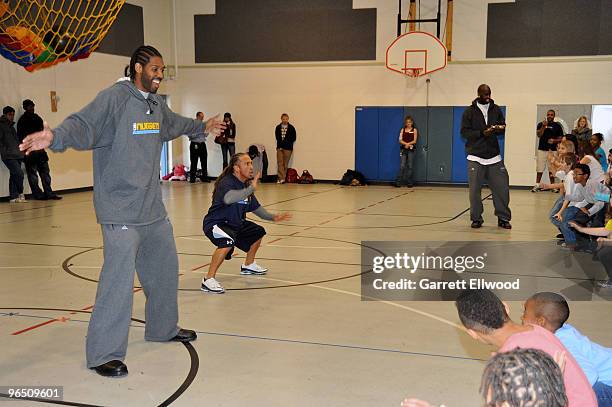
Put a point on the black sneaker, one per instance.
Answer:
(476, 224)
(559, 236)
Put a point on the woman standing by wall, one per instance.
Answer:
(229, 146)
(407, 139)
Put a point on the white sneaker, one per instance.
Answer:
(16, 200)
(253, 269)
(604, 284)
(536, 188)
(210, 285)
(21, 198)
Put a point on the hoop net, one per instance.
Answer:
(40, 33)
(412, 72)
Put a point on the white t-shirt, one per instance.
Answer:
(485, 161)
(569, 185)
(485, 111)
(597, 173)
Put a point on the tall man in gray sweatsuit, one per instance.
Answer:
(126, 126)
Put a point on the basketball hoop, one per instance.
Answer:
(412, 72)
(416, 54)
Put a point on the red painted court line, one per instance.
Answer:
(275, 240)
(333, 219)
(61, 319)
(199, 267)
(34, 327)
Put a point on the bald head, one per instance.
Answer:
(550, 308)
(484, 94)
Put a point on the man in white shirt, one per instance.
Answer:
(482, 121)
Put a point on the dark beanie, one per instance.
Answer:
(227, 115)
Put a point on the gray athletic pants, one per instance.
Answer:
(150, 250)
(497, 178)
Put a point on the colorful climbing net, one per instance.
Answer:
(40, 33)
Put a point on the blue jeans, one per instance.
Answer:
(603, 393)
(15, 178)
(571, 213)
(227, 148)
(556, 207)
(404, 177)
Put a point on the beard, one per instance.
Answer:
(147, 83)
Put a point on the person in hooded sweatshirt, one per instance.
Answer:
(126, 126)
(482, 121)
(11, 156)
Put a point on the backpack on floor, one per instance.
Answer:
(306, 178)
(292, 176)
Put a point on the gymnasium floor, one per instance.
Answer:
(300, 336)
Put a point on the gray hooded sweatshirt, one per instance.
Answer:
(126, 133)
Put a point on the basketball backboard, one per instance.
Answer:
(415, 54)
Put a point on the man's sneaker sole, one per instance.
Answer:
(208, 290)
(249, 272)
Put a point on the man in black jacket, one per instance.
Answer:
(481, 123)
(38, 161)
(11, 156)
(285, 137)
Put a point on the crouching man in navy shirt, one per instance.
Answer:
(225, 223)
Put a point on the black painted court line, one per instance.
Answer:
(378, 227)
(67, 263)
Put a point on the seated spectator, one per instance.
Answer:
(586, 153)
(520, 377)
(256, 158)
(600, 154)
(566, 186)
(573, 139)
(264, 159)
(608, 175)
(604, 247)
(579, 206)
(556, 159)
(486, 319)
(582, 129)
(551, 311)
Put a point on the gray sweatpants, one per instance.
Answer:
(496, 176)
(150, 250)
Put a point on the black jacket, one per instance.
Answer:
(473, 126)
(290, 136)
(9, 143)
(27, 124)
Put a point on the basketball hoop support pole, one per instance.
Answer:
(436, 20)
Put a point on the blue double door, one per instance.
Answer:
(440, 149)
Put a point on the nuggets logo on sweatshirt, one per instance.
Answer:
(145, 128)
